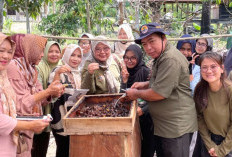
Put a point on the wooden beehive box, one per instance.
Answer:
(102, 136)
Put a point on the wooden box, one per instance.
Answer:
(103, 136)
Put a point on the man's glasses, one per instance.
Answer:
(213, 68)
(132, 59)
(201, 44)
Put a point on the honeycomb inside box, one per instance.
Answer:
(102, 107)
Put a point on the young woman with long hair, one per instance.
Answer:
(213, 99)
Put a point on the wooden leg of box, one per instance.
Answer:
(106, 145)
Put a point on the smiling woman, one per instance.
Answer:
(214, 105)
(9, 126)
(51, 58)
(23, 77)
(69, 75)
(101, 73)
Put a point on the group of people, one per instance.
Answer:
(183, 99)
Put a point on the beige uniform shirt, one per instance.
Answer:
(96, 83)
(176, 114)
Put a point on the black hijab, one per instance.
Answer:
(140, 72)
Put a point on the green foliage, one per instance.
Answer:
(196, 26)
(72, 15)
(218, 1)
(230, 5)
(7, 25)
(33, 6)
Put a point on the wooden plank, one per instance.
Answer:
(119, 145)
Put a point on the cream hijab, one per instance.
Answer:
(85, 55)
(110, 79)
(119, 47)
(75, 71)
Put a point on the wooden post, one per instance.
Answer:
(88, 16)
(27, 17)
(121, 13)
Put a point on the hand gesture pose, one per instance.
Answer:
(92, 67)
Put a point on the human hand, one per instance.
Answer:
(193, 59)
(38, 126)
(92, 67)
(132, 93)
(63, 69)
(140, 85)
(56, 89)
(125, 75)
(139, 111)
(191, 77)
(212, 152)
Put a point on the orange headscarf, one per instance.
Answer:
(28, 50)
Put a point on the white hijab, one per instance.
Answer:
(120, 47)
(75, 71)
(85, 55)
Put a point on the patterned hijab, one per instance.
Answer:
(28, 50)
(7, 94)
(121, 47)
(110, 79)
(45, 67)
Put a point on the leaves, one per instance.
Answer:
(33, 6)
(73, 16)
(218, 2)
(230, 5)
(196, 26)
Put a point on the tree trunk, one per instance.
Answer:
(205, 17)
(1, 14)
(137, 18)
(54, 7)
(88, 17)
(27, 17)
(155, 11)
(45, 9)
(121, 13)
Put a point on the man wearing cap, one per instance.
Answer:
(168, 94)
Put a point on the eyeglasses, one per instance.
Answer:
(213, 68)
(132, 59)
(84, 44)
(201, 44)
(105, 49)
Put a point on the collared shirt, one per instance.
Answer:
(175, 115)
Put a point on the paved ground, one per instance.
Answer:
(52, 147)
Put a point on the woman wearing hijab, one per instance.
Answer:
(50, 60)
(67, 74)
(23, 77)
(202, 45)
(139, 72)
(9, 126)
(187, 48)
(124, 32)
(86, 48)
(101, 73)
